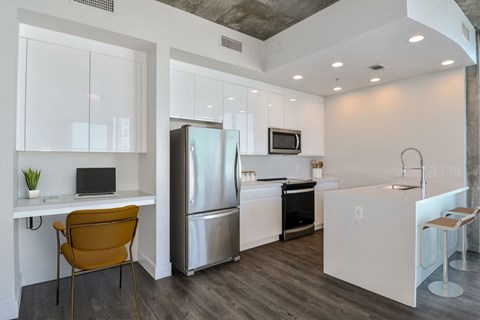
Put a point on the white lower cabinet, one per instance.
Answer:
(321, 187)
(260, 216)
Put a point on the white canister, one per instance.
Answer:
(316, 172)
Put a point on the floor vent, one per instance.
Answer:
(231, 44)
(377, 67)
(106, 5)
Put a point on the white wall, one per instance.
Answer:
(9, 279)
(367, 129)
(277, 166)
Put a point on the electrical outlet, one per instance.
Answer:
(358, 212)
(444, 171)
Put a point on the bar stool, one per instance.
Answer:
(445, 288)
(463, 265)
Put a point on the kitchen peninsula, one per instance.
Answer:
(372, 235)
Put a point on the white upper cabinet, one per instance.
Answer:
(56, 98)
(257, 122)
(73, 98)
(276, 110)
(208, 99)
(291, 113)
(21, 82)
(182, 95)
(311, 121)
(115, 104)
(235, 111)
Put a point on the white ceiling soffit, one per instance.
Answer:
(361, 33)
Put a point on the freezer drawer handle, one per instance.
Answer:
(213, 216)
(299, 191)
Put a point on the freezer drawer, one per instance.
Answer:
(213, 237)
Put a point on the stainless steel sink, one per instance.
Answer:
(398, 187)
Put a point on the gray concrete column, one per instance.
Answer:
(473, 150)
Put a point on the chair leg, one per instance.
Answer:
(58, 275)
(135, 290)
(73, 294)
(120, 286)
(444, 288)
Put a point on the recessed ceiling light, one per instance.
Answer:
(269, 105)
(209, 106)
(417, 38)
(253, 91)
(337, 89)
(231, 98)
(447, 62)
(293, 100)
(297, 77)
(242, 111)
(337, 64)
(374, 79)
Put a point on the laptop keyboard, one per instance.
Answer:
(95, 195)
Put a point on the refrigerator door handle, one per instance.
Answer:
(196, 217)
(238, 173)
(191, 176)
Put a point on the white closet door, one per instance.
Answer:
(56, 108)
(115, 104)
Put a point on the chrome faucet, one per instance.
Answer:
(421, 168)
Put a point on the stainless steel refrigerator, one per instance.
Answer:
(205, 173)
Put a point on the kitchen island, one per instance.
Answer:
(372, 236)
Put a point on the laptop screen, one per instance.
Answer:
(95, 180)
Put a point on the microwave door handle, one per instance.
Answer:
(297, 136)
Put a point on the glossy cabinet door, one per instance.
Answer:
(208, 99)
(311, 122)
(115, 104)
(182, 95)
(235, 111)
(291, 113)
(257, 122)
(21, 82)
(276, 110)
(56, 107)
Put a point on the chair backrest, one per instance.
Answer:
(468, 218)
(102, 228)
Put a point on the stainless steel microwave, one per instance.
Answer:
(284, 141)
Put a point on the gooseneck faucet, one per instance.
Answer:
(421, 168)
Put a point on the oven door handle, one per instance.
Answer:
(299, 191)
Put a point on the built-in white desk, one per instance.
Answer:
(25, 208)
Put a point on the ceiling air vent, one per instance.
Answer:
(106, 5)
(377, 67)
(231, 44)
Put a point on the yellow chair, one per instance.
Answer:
(96, 240)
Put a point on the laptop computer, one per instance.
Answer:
(95, 183)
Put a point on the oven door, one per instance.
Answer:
(298, 208)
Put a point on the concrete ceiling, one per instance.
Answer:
(263, 19)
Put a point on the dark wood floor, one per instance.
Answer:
(282, 280)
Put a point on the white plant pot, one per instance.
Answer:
(316, 172)
(33, 194)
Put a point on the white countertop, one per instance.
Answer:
(67, 203)
(434, 190)
(267, 184)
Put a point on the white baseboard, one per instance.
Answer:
(318, 226)
(10, 309)
(155, 271)
(257, 243)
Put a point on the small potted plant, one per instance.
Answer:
(31, 179)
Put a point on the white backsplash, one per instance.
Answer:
(275, 166)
